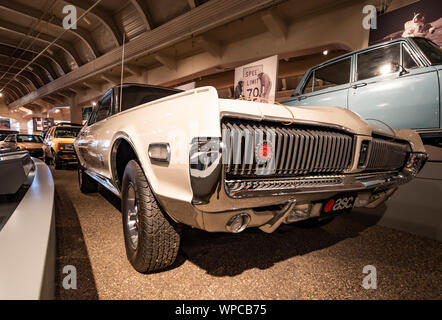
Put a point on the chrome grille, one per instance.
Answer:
(294, 151)
(386, 155)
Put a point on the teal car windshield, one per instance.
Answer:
(430, 49)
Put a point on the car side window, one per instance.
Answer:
(104, 108)
(9, 139)
(92, 115)
(332, 75)
(378, 62)
(329, 76)
(408, 61)
(309, 83)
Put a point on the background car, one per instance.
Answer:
(58, 145)
(30, 142)
(396, 82)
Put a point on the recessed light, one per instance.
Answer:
(325, 52)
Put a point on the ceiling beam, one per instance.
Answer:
(104, 16)
(112, 80)
(42, 74)
(190, 24)
(60, 65)
(53, 22)
(211, 46)
(92, 85)
(143, 12)
(47, 39)
(275, 24)
(32, 76)
(134, 70)
(167, 61)
(192, 4)
(18, 86)
(30, 84)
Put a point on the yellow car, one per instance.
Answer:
(58, 145)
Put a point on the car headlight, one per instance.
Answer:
(415, 163)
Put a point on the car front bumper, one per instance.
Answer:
(290, 200)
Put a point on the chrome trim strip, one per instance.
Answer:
(222, 201)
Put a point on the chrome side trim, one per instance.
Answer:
(104, 181)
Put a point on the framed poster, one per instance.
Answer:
(420, 19)
(257, 81)
(5, 124)
(42, 124)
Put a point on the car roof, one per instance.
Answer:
(348, 54)
(146, 86)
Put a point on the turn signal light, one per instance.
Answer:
(159, 152)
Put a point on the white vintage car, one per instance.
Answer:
(222, 165)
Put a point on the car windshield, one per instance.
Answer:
(67, 132)
(136, 95)
(431, 50)
(29, 138)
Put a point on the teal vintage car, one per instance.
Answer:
(397, 82)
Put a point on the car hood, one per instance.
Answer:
(319, 115)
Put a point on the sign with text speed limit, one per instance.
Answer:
(257, 81)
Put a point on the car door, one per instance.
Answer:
(326, 85)
(97, 137)
(392, 86)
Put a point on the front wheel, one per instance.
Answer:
(152, 240)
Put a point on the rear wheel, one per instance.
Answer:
(57, 161)
(152, 240)
(86, 183)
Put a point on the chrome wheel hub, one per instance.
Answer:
(132, 216)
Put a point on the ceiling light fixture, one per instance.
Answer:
(325, 52)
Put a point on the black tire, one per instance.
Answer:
(86, 183)
(57, 162)
(158, 237)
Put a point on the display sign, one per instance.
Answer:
(257, 81)
(5, 124)
(419, 19)
(42, 124)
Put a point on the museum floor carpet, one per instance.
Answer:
(293, 263)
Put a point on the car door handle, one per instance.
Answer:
(355, 86)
